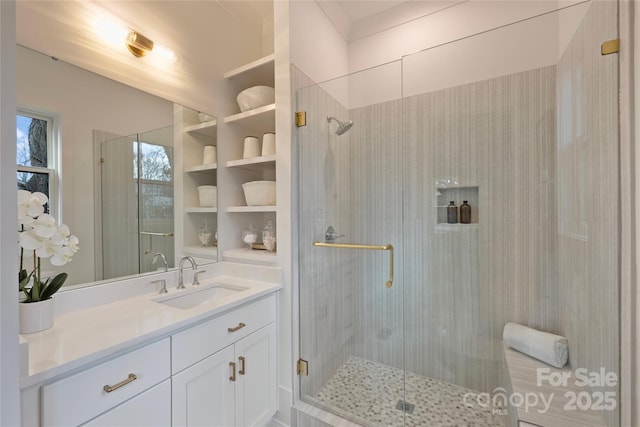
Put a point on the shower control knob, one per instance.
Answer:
(331, 236)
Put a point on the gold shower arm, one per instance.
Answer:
(387, 247)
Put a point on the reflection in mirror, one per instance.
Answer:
(92, 115)
(136, 180)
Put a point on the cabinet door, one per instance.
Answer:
(150, 409)
(203, 394)
(256, 386)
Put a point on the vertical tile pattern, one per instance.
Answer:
(463, 284)
(588, 191)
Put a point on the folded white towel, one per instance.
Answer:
(549, 348)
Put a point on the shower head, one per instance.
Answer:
(343, 127)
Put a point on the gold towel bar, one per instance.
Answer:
(387, 247)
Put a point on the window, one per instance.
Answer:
(36, 157)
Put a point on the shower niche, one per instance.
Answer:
(457, 194)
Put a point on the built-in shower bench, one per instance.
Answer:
(530, 377)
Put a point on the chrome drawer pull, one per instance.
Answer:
(237, 328)
(110, 388)
(242, 365)
(233, 371)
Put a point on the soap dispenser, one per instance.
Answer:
(465, 213)
(452, 213)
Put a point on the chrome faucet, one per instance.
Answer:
(194, 266)
(165, 265)
(330, 236)
(163, 285)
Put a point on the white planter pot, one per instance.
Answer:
(36, 316)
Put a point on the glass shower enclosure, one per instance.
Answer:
(137, 202)
(520, 124)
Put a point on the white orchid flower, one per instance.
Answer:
(61, 255)
(61, 235)
(31, 204)
(45, 226)
(73, 243)
(47, 250)
(30, 241)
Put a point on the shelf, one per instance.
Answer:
(202, 168)
(443, 226)
(251, 209)
(255, 163)
(202, 251)
(261, 119)
(206, 128)
(253, 256)
(259, 66)
(200, 210)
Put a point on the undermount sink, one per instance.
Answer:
(200, 295)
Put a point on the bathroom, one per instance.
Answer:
(461, 133)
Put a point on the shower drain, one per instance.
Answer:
(405, 407)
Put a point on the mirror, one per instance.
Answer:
(115, 166)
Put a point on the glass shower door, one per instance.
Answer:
(521, 124)
(351, 293)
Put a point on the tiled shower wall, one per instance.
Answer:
(462, 283)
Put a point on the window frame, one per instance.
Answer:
(54, 156)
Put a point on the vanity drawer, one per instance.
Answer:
(196, 343)
(80, 397)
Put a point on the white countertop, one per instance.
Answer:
(88, 335)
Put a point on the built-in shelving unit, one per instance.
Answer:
(262, 66)
(250, 123)
(193, 136)
(255, 163)
(200, 210)
(211, 167)
(260, 118)
(207, 129)
(251, 209)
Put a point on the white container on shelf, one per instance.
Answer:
(208, 195)
(260, 193)
(255, 97)
(268, 144)
(209, 155)
(251, 147)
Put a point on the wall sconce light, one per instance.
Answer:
(138, 44)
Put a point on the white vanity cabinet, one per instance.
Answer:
(108, 387)
(230, 378)
(218, 370)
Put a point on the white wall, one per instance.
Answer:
(84, 101)
(462, 20)
(528, 45)
(9, 364)
(317, 48)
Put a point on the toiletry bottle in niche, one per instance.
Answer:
(452, 213)
(465, 213)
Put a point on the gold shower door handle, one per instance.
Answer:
(387, 247)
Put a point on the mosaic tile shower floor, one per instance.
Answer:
(371, 392)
